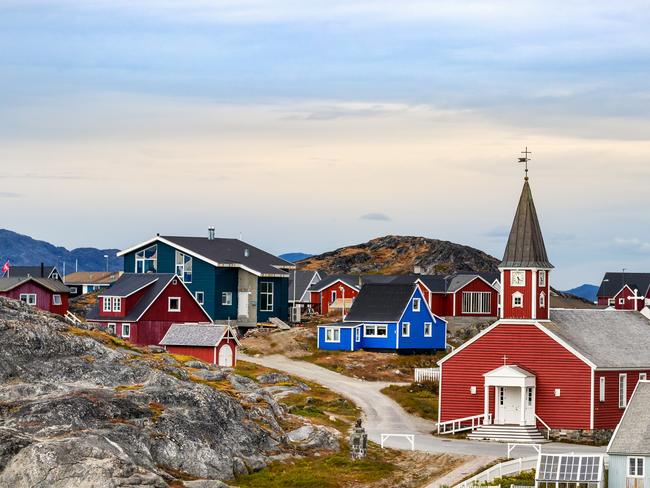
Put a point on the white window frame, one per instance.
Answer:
(520, 296)
(269, 295)
(117, 304)
(601, 390)
(56, 299)
(428, 329)
(111, 328)
(332, 296)
(643, 376)
(107, 304)
(542, 300)
(200, 294)
(370, 330)
(611, 302)
(622, 390)
(142, 259)
(476, 302)
(633, 465)
(180, 268)
(541, 278)
(29, 298)
(169, 304)
(357, 334)
(406, 329)
(226, 298)
(73, 289)
(128, 327)
(530, 398)
(333, 334)
(416, 301)
(621, 301)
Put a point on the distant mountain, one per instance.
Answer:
(293, 257)
(401, 254)
(586, 291)
(22, 250)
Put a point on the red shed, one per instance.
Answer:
(45, 293)
(141, 307)
(216, 344)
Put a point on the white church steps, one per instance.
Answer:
(508, 433)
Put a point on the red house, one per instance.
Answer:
(216, 344)
(335, 292)
(624, 291)
(45, 293)
(557, 370)
(141, 307)
(462, 294)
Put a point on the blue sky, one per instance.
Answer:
(306, 126)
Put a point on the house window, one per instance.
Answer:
(376, 331)
(406, 329)
(56, 299)
(357, 334)
(643, 376)
(106, 304)
(501, 395)
(542, 300)
(622, 390)
(541, 278)
(611, 302)
(416, 304)
(333, 296)
(54, 275)
(117, 304)
(601, 391)
(529, 396)
(200, 297)
(621, 301)
(635, 467)
(332, 334)
(146, 261)
(174, 304)
(226, 298)
(111, 328)
(428, 329)
(266, 296)
(126, 330)
(28, 298)
(184, 267)
(477, 302)
(517, 300)
(73, 289)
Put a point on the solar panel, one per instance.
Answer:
(571, 469)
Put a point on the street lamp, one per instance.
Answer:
(343, 307)
(106, 257)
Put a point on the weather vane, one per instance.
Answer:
(525, 160)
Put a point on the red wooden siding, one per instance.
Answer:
(44, 299)
(476, 285)
(629, 304)
(542, 313)
(426, 294)
(438, 304)
(203, 353)
(517, 312)
(326, 295)
(607, 414)
(530, 348)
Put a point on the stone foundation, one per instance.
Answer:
(597, 437)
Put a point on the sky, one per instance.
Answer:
(307, 126)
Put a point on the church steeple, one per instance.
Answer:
(525, 266)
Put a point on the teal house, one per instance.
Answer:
(230, 278)
(629, 448)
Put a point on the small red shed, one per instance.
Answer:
(215, 344)
(45, 293)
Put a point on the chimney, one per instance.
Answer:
(211, 233)
(417, 269)
(42, 270)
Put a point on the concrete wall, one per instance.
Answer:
(248, 283)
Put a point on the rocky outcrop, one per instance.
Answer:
(79, 408)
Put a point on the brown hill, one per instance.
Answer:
(401, 254)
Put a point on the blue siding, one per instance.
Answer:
(416, 338)
(225, 279)
(343, 345)
(388, 342)
(280, 299)
(617, 476)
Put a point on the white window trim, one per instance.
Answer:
(181, 266)
(169, 304)
(28, 298)
(516, 295)
(622, 390)
(643, 376)
(113, 325)
(200, 293)
(73, 289)
(335, 331)
(373, 327)
(226, 296)
(407, 326)
(143, 259)
(542, 300)
(357, 334)
(611, 302)
(128, 326)
(332, 296)
(117, 304)
(476, 302)
(621, 301)
(416, 301)
(107, 304)
(601, 391)
(269, 303)
(541, 278)
(430, 333)
(56, 299)
(636, 467)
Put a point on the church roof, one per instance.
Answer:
(525, 248)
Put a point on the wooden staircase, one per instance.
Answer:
(528, 434)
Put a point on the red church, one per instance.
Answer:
(142, 307)
(537, 370)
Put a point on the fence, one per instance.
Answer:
(499, 470)
(426, 374)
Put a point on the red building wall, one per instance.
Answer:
(325, 295)
(517, 313)
(43, 297)
(207, 354)
(607, 414)
(629, 304)
(542, 312)
(438, 304)
(476, 285)
(530, 348)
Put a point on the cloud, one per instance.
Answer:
(633, 244)
(375, 216)
(497, 232)
(9, 194)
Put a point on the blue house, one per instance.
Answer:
(387, 317)
(231, 279)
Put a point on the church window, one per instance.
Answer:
(542, 300)
(622, 390)
(541, 279)
(517, 300)
(602, 389)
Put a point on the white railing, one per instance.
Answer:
(426, 374)
(499, 470)
(466, 423)
(408, 437)
(548, 429)
(72, 318)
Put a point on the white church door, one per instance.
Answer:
(508, 405)
(225, 356)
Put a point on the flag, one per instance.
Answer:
(6, 267)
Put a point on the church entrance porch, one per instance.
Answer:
(514, 396)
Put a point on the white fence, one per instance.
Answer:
(427, 374)
(499, 470)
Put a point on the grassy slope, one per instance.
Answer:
(416, 399)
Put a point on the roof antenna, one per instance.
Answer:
(525, 160)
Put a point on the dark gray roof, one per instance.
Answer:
(194, 335)
(608, 338)
(633, 433)
(55, 286)
(450, 283)
(613, 282)
(129, 283)
(525, 246)
(35, 271)
(233, 252)
(460, 280)
(303, 279)
(380, 302)
(341, 324)
(356, 281)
